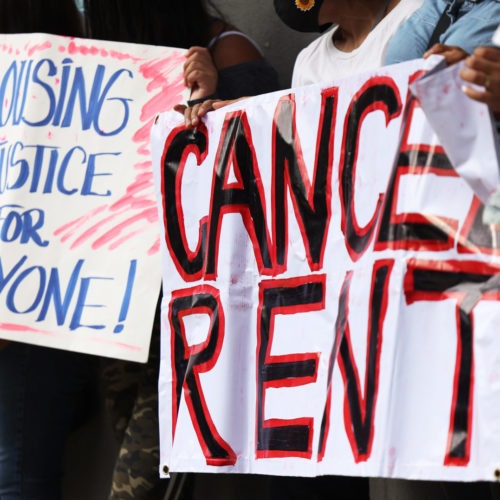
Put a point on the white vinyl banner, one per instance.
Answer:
(79, 232)
(330, 292)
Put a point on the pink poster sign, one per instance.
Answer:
(79, 238)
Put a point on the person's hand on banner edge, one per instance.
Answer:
(451, 53)
(482, 68)
(194, 114)
(3, 344)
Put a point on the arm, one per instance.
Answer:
(234, 67)
(202, 66)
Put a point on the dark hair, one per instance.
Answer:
(58, 17)
(170, 23)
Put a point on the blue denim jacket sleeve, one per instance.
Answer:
(475, 26)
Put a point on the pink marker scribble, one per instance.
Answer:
(12, 327)
(32, 49)
(150, 215)
(84, 235)
(135, 211)
(155, 248)
(82, 48)
(68, 230)
(126, 237)
(123, 345)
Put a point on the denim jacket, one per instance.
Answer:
(477, 21)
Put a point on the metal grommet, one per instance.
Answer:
(165, 469)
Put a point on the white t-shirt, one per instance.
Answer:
(321, 61)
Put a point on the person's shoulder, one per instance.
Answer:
(230, 46)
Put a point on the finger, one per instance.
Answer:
(180, 108)
(191, 116)
(489, 95)
(454, 55)
(196, 74)
(473, 76)
(196, 57)
(202, 83)
(193, 65)
(195, 49)
(478, 95)
(201, 110)
(187, 116)
(205, 107)
(201, 75)
(189, 68)
(451, 53)
(203, 58)
(185, 74)
(221, 104)
(197, 61)
(437, 48)
(482, 65)
(490, 53)
(192, 78)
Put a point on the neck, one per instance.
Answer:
(355, 19)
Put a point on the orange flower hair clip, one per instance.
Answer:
(304, 5)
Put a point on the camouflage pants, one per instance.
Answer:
(131, 392)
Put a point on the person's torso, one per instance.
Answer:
(321, 61)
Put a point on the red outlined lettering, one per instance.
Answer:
(378, 94)
(278, 437)
(189, 361)
(415, 231)
(475, 236)
(311, 201)
(179, 145)
(359, 410)
(246, 196)
(467, 283)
